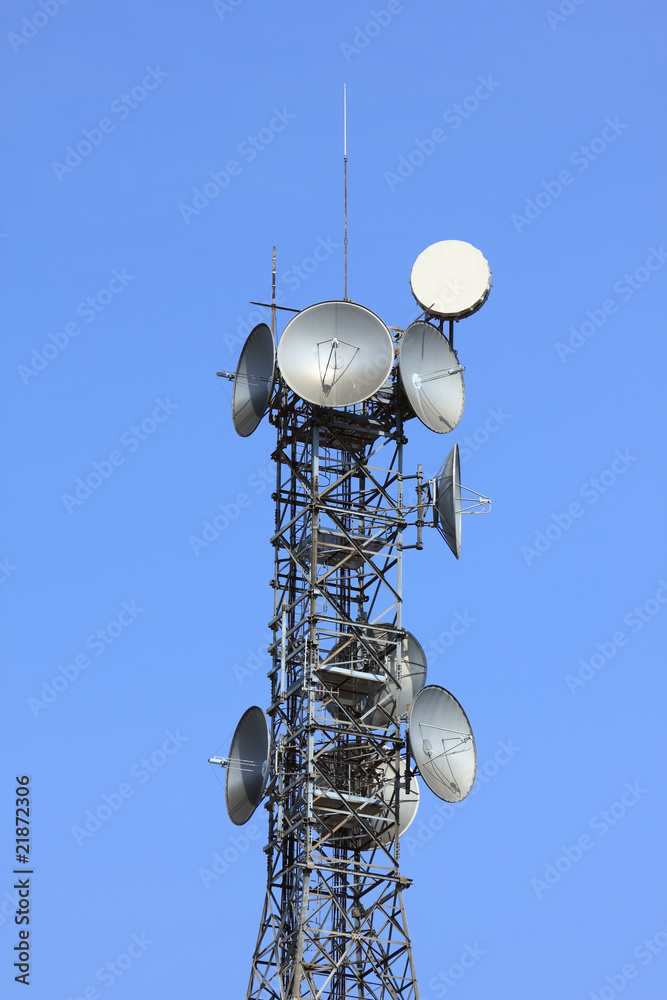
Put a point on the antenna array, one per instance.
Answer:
(349, 711)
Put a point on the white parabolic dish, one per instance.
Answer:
(451, 279)
(431, 377)
(390, 702)
(408, 801)
(442, 743)
(335, 353)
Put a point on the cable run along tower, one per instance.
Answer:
(350, 720)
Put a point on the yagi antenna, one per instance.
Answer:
(345, 176)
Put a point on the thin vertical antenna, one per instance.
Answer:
(345, 174)
(273, 295)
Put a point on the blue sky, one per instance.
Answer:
(153, 154)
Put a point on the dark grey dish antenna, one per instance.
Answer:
(253, 382)
(247, 765)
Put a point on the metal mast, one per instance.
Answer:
(333, 924)
(348, 707)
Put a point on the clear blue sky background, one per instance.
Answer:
(187, 662)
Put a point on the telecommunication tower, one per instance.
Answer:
(349, 708)
(350, 720)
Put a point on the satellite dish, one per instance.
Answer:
(432, 377)
(253, 381)
(442, 743)
(451, 279)
(448, 501)
(248, 765)
(345, 791)
(351, 788)
(335, 354)
(408, 801)
(352, 675)
(390, 702)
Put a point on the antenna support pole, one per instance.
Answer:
(420, 508)
(273, 295)
(345, 177)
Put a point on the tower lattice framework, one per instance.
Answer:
(333, 924)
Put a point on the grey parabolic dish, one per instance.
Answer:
(390, 702)
(253, 382)
(248, 766)
(408, 802)
(451, 279)
(335, 353)
(425, 361)
(448, 501)
(442, 743)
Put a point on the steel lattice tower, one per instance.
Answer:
(349, 707)
(333, 923)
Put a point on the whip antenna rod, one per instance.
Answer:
(345, 175)
(273, 294)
